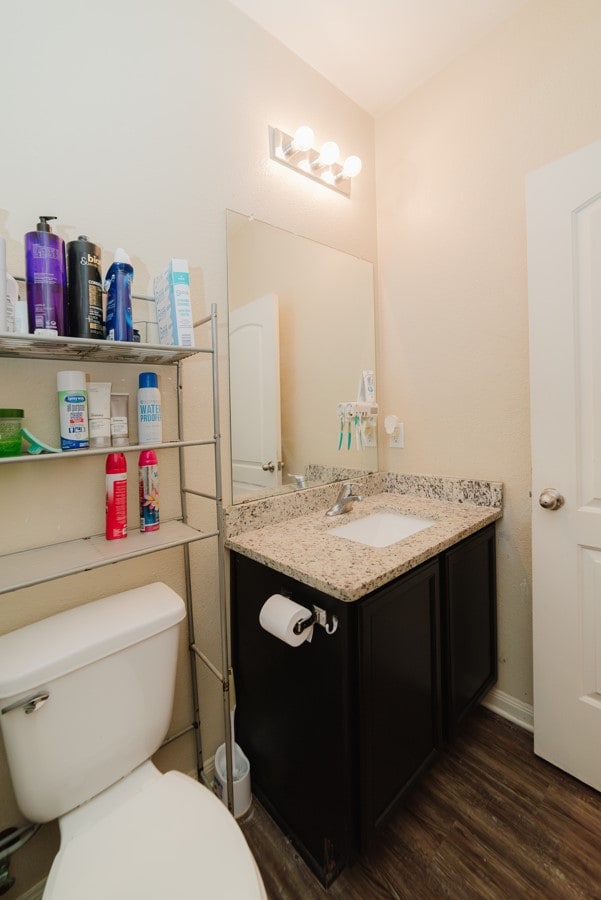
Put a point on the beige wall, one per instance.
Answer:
(453, 326)
(138, 124)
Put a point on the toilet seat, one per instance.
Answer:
(169, 837)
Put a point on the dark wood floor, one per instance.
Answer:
(490, 821)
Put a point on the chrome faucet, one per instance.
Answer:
(344, 500)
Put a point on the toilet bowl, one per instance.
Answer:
(85, 700)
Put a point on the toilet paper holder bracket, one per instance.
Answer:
(327, 620)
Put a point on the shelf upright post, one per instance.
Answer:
(224, 674)
(224, 624)
(188, 580)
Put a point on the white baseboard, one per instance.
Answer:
(511, 708)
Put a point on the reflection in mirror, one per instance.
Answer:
(301, 325)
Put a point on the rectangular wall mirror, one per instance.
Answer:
(301, 332)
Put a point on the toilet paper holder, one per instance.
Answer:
(327, 620)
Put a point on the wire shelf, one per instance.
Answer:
(29, 346)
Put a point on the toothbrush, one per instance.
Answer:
(358, 433)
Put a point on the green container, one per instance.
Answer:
(11, 421)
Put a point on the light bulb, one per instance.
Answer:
(303, 138)
(352, 166)
(301, 142)
(328, 154)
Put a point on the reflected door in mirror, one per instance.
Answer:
(255, 395)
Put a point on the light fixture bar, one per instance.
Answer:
(282, 148)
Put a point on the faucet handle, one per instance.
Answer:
(344, 499)
(347, 490)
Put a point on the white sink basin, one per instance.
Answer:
(381, 529)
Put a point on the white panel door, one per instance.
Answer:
(564, 283)
(255, 395)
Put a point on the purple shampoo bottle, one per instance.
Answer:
(46, 276)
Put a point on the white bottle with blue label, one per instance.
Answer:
(150, 429)
(73, 410)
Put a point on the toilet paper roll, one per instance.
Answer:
(279, 615)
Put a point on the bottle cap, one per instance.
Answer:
(115, 463)
(71, 381)
(147, 458)
(148, 380)
(121, 256)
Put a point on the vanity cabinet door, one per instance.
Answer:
(469, 620)
(293, 717)
(399, 691)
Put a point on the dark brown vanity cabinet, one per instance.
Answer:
(469, 625)
(294, 717)
(338, 730)
(398, 710)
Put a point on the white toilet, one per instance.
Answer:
(85, 700)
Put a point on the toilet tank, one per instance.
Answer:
(108, 668)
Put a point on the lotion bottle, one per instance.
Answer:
(46, 277)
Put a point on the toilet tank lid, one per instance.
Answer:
(52, 647)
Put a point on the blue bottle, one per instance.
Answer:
(119, 323)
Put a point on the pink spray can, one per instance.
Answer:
(149, 490)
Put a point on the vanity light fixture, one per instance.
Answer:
(297, 152)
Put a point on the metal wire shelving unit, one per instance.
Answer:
(46, 563)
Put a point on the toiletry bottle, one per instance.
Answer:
(21, 316)
(3, 316)
(12, 302)
(46, 277)
(150, 429)
(99, 413)
(148, 475)
(85, 289)
(119, 323)
(119, 420)
(116, 496)
(73, 410)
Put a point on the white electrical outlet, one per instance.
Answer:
(397, 438)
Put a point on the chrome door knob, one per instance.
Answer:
(551, 499)
(268, 467)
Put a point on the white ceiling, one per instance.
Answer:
(378, 51)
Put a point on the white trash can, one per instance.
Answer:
(241, 777)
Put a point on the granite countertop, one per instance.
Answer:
(302, 548)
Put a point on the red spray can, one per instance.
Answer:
(116, 496)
